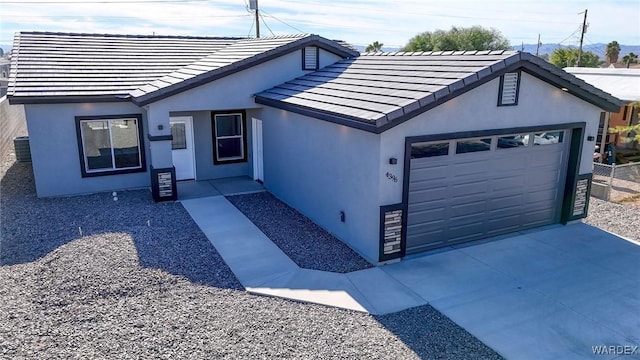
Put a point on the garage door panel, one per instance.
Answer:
(426, 215)
(508, 183)
(430, 173)
(421, 196)
(506, 220)
(495, 208)
(470, 187)
(432, 230)
(510, 164)
(421, 238)
(543, 197)
(461, 170)
(537, 218)
(467, 208)
(482, 194)
(469, 231)
(549, 177)
(465, 199)
(547, 158)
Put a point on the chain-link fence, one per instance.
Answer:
(616, 182)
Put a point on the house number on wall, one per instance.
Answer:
(392, 177)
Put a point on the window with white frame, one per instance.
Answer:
(110, 144)
(229, 137)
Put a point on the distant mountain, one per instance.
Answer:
(384, 48)
(599, 49)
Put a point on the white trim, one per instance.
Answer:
(257, 145)
(188, 120)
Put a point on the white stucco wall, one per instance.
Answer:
(320, 169)
(54, 149)
(538, 104)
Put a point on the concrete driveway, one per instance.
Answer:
(560, 293)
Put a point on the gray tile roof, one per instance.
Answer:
(377, 91)
(61, 64)
(59, 67)
(233, 58)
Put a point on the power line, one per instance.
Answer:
(265, 24)
(291, 26)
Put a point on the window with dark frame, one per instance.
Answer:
(473, 145)
(110, 145)
(509, 89)
(429, 149)
(229, 137)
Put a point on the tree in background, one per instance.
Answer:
(374, 47)
(472, 38)
(629, 59)
(632, 131)
(612, 52)
(564, 57)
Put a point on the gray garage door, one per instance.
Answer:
(467, 189)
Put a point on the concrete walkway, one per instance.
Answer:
(263, 268)
(553, 293)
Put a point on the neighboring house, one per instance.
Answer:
(393, 153)
(5, 66)
(621, 83)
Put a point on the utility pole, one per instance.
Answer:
(253, 5)
(538, 45)
(584, 30)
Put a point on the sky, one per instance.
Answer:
(360, 22)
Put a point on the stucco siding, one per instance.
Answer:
(235, 91)
(538, 104)
(54, 149)
(320, 169)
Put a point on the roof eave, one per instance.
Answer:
(356, 123)
(65, 99)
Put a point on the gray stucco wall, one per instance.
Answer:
(54, 149)
(320, 169)
(233, 92)
(538, 104)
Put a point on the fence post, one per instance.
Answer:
(610, 184)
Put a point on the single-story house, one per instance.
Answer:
(621, 83)
(393, 153)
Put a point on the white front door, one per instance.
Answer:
(258, 170)
(182, 147)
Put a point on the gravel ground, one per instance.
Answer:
(142, 281)
(306, 243)
(622, 219)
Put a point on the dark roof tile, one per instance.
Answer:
(403, 84)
